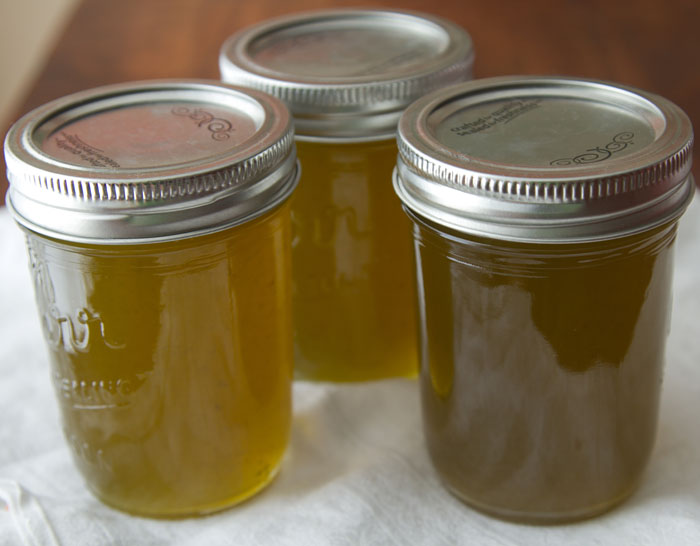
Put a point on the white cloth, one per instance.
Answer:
(356, 472)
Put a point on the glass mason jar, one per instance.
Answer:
(544, 214)
(346, 75)
(158, 229)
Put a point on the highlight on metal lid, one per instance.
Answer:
(149, 161)
(348, 73)
(545, 159)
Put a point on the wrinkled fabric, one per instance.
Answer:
(356, 472)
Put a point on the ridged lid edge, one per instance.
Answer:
(131, 205)
(354, 108)
(559, 204)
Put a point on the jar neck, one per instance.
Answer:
(533, 259)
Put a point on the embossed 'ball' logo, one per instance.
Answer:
(594, 155)
(220, 128)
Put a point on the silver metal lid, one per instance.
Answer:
(544, 159)
(348, 73)
(149, 161)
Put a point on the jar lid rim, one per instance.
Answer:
(499, 155)
(131, 161)
(362, 91)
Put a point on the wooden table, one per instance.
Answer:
(645, 43)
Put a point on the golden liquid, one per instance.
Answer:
(541, 368)
(172, 363)
(353, 296)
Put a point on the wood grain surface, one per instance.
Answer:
(649, 44)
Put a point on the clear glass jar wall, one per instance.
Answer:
(172, 362)
(353, 295)
(541, 368)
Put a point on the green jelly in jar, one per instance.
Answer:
(544, 216)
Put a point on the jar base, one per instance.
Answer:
(534, 518)
(190, 511)
(333, 377)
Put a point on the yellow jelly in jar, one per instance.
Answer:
(172, 363)
(158, 228)
(353, 301)
(346, 75)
